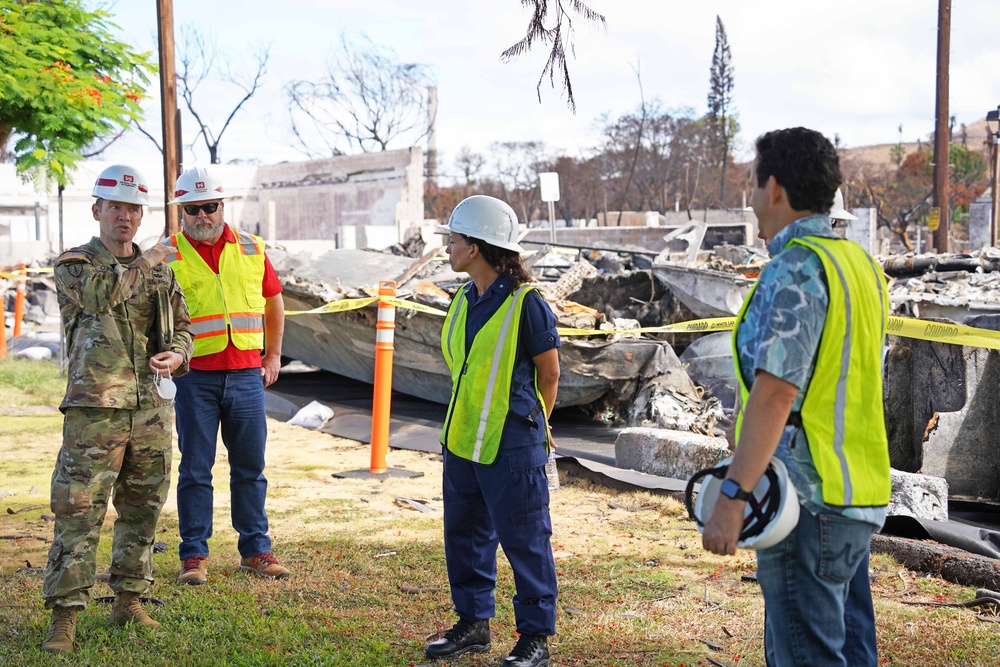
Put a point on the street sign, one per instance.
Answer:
(548, 182)
(933, 218)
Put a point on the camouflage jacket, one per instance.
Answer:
(109, 314)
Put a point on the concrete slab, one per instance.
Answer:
(667, 453)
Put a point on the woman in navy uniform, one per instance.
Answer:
(500, 342)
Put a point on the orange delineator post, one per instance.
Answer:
(385, 331)
(3, 325)
(22, 278)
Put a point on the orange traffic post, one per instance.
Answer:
(3, 323)
(22, 278)
(385, 331)
(384, 335)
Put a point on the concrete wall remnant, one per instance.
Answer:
(378, 195)
(919, 496)
(943, 411)
(675, 454)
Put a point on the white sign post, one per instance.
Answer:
(548, 183)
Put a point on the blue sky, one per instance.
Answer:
(859, 68)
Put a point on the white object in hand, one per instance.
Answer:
(165, 386)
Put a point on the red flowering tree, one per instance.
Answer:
(65, 83)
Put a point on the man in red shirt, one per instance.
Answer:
(237, 313)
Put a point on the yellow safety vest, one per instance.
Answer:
(842, 413)
(480, 400)
(223, 305)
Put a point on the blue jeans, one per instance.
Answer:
(860, 647)
(805, 580)
(506, 503)
(234, 399)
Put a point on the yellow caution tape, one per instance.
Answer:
(937, 332)
(412, 305)
(940, 332)
(15, 274)
(335, 306)
(692, 326)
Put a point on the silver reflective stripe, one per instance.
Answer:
(173, 256)
(494, 369)
(249, 245)
(454, 319)
(204, 327)
(247, 322)
(841, 400)
(878, 286)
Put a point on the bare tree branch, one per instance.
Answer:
(365, 101)
(638, 145)
(557, 36)
(198, 56)
(107, 144)
(149, 136)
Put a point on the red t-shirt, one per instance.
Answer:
(231, 358)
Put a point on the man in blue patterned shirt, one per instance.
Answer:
(808, 345)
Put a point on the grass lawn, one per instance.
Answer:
(369, 586)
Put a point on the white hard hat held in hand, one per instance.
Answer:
(770, 514)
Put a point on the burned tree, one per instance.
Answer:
(557, 37)
(366, 100)
(198, 60)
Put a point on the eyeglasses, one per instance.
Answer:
(209, 208)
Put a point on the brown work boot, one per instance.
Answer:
(264, 565)
(62, 631)
(127, 609)
(194, 571)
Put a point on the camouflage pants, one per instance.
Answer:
(128, 451)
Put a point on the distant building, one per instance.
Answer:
(370, 200)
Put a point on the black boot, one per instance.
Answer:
(464, 637)
(530, 651)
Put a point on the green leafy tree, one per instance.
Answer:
(65, 83)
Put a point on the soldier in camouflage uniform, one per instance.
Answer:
(117, 428)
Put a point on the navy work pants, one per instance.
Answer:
(506, 503)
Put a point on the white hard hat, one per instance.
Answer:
(838, 212)
(196, 184)
(123, 183)
(769, 516)
(487, 219)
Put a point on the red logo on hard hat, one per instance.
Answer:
(107, 182)
(199, 185)
(128, 178)
(142, 188)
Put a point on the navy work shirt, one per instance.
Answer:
(538, 334)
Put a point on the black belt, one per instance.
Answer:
(794, 419)
(530, 419)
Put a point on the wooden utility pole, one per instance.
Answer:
(169, 116)
(941, 139)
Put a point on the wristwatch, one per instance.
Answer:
(730, 489)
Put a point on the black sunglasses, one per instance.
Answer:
(209, 208)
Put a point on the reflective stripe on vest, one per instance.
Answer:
(842, 411)
(469, 431)
(224, 306)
